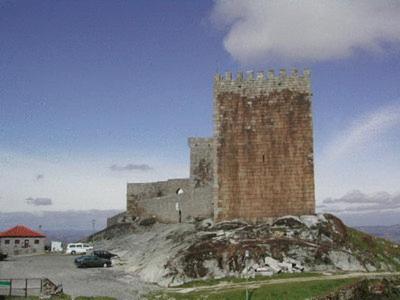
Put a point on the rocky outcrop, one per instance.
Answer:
(177, 253)
(112, 232)
(290, 244)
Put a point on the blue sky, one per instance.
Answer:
(87, 85)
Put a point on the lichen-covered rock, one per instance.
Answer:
(148, 221)
(229, 225)
(289, 221)
(290, 244)
(177, 253)
(116, 230)
(204, 224)
(311, 221)
(345, 261)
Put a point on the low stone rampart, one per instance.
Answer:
(193, 203)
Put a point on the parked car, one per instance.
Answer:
(78, 248)
(91, 261)
(80, 258)
(3, 256)
(104, 254)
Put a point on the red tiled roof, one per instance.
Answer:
(20, 231)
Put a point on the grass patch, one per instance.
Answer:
(374, 248)
(95, 298)
(293, 291)
(212, 281)
(60, 297)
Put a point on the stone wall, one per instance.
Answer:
(16, 248)
(263, 146)
(164, 208)
(139, 192)
(201, 161)
(160, 199)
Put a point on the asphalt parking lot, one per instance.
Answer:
(76, 282)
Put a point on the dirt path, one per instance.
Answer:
(257, 284)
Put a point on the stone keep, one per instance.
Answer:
(258, 166)
(263, 146)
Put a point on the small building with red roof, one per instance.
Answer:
(21, 240)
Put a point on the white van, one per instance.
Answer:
(78, 248)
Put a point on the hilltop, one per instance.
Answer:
(173, 254)
(391, 233)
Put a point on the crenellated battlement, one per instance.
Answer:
(263, 145)
(251, 83)
(257, 166)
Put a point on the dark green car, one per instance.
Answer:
(92, 261)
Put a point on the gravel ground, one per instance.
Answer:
(76, 282)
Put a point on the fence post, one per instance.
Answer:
(10, 293)
(26, 288)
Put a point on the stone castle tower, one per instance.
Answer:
(258, 166)
(263, 146)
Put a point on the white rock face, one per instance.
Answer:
(288, 265)
(171, 254)
(264, 271)
(220, 233)
(345, 261)
(146, 252)
(313, 220)
(205, 224)
(273, 264)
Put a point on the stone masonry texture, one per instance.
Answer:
(159, 199)
(22, 245)
(259, 164)
(263, 146)
(201, 161)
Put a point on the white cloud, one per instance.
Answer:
(356, 202)
(363, 131)
(39, 201)
(131, 167)
(361, 156)
(73, 182)
(307, 30)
